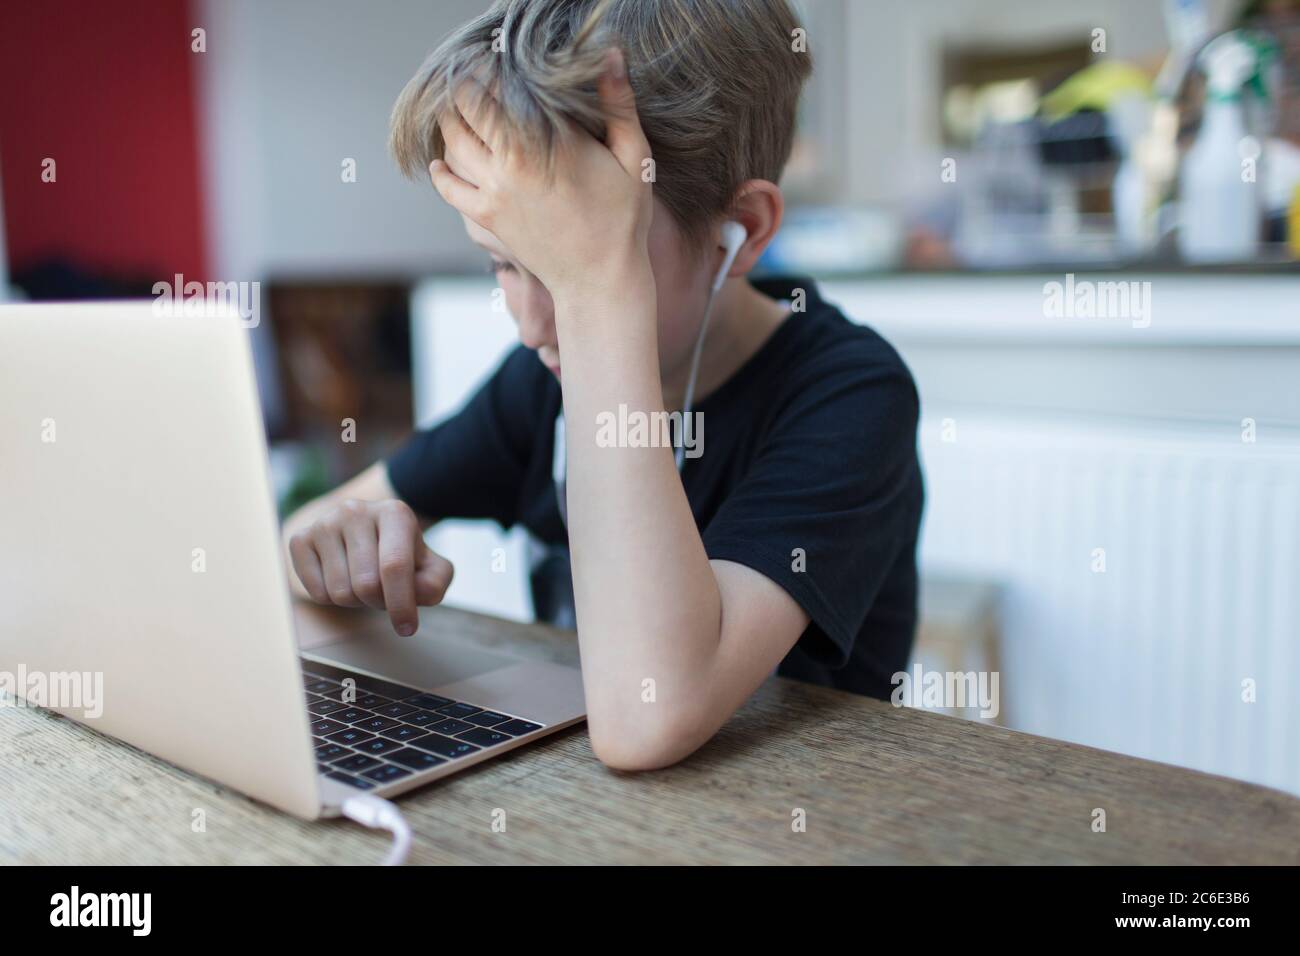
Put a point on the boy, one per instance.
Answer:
(595, 148)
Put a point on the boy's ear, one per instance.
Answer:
(759, 207)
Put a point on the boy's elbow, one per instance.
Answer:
(630, 745)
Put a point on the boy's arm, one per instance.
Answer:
(651, 605)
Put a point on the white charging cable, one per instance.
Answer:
(380, 814)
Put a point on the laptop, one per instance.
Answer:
(141, 548)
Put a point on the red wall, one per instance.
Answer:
(106, 89)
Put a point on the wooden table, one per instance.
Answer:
(877, 785)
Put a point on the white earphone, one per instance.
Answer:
(733, 237)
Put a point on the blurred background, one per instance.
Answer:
(1078, 221)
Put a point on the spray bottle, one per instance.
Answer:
(1218, 198)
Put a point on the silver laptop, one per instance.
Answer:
(139, 547)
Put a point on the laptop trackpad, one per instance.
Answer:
(422, 662)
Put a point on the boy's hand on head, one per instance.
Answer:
(371, 553)
(573, 225)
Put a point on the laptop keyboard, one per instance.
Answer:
(390, 731)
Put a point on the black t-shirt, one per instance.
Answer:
(809, 475)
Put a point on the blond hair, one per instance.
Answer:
(717, 87)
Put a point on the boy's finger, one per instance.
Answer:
(307, 566)
(334, 567)
(623, 136)
(459, 194)
(472, 156)
(397, 543)
(361, 541)
(433, 574)
(479, 112)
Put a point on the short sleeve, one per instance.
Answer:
(472, 464)
(830, 500)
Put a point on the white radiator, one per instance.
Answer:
(1201, 539)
